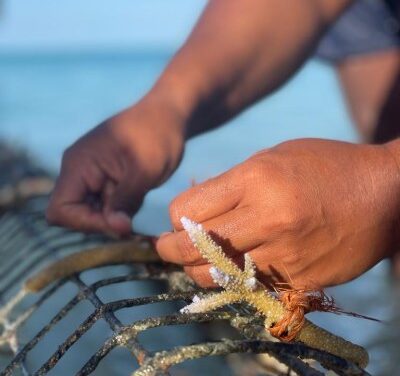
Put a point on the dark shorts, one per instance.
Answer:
(368, 26)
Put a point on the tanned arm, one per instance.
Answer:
(239, 51)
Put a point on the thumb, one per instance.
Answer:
(121, 201)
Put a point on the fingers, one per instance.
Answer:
(127, 195)
(236, 231)
(201, 275)
(80, 217)
(121, 201)
(119, 221)
(207, 200)
(67, 207)
(70, 206)
(270, 271)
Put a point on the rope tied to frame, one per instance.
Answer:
(297, 304)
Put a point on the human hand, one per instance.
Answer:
(311, 212)
(105, 174)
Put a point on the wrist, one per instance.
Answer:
(151, 132)
(193, 98)
(178, 95)
(170, 113)
(166, 128)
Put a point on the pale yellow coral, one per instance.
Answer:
(242, 286)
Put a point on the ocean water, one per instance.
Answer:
(47, 101)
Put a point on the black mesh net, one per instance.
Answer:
(116, 317)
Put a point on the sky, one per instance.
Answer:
(75, 24)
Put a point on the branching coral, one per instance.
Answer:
(239, 286)
(242, 286)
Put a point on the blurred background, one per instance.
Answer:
(66, 65)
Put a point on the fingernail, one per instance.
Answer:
(119, 221)
(119, 216)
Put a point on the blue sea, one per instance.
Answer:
(49, 100)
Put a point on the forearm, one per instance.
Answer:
(240, 51)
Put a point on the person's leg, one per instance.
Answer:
(364, 44)
(371, 84)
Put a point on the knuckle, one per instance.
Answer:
(175, 212)
(287, 219)
(253, 170)
(295, 224)
(290, 219)
(66, 156)
(51, 215)
(293, 146)
(294, 212)
(286, 144)
(190, 255)
(198, 275)
(190, 271)
(71, 155)
(165, 250)
(66, 160)
(293, 257)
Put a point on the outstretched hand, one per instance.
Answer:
(314, 212)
